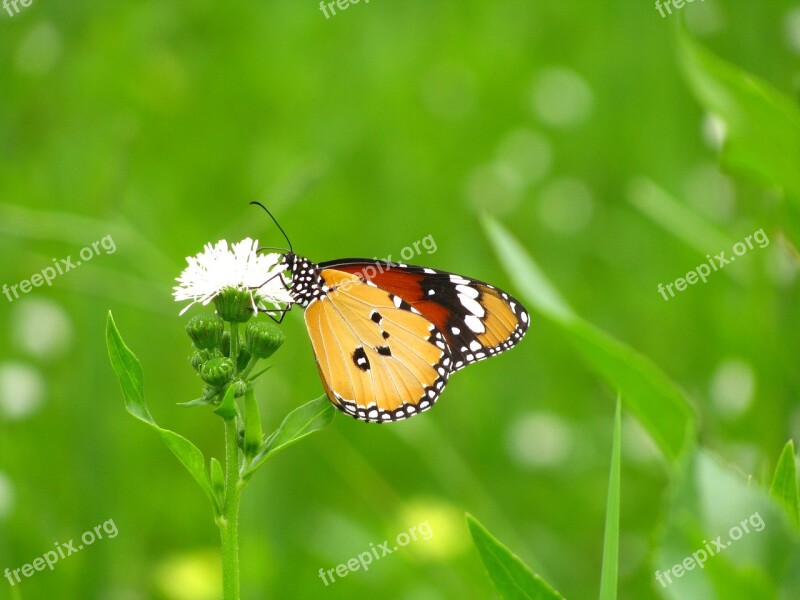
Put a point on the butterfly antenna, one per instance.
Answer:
(274, 220)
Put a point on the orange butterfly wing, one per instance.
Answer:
(379, 358)
(477, 319)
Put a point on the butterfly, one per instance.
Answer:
(387, 336)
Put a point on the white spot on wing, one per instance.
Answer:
(459, 280)
(467, 291)
(474, 323)
(472, 305)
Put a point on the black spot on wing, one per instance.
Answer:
(360, 359)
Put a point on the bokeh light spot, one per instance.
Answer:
(732, 387)
(191, 576)
(714, 130)
(527, 154)
(703, 18)
(561, 98)
(495, 187)
(566, 205)
(41, 327)
(539, 440)
(710, 193)
(792, 29)
(40, 50)
(447, 535)
(22, 390)
(6, 496)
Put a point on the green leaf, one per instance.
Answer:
(512, 577)
(655, 400)
(688, 226)
(784, 483)
(763, 125)
(217, 479)
(253, 435)
(227, 408)
(129, 372)
(608, 579)
(305, 420)
(204, 401)
(737, 542)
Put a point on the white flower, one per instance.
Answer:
(217, 268)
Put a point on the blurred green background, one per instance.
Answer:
(157, 122)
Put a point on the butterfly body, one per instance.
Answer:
(387, 336)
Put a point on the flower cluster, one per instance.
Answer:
(240, 268)
(240, 282)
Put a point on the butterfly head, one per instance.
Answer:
(289, 259)
(305, 283)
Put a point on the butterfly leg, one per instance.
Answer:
(282, 311)
(286, 285)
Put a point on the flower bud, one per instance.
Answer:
(205, 330)
(244, 358)
(217, 371)
(226, 344)
(244, 353)
(240, 387)
(234, 305)
(199, 358)
(263, 338)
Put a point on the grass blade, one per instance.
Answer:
(512, 577)
(608, 579)
(784, 483)
(655, 400)
(681, 221)
(763, 125)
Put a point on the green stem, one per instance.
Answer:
(261, 372)
(234, 344)
(248, 369)
(229, 521)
